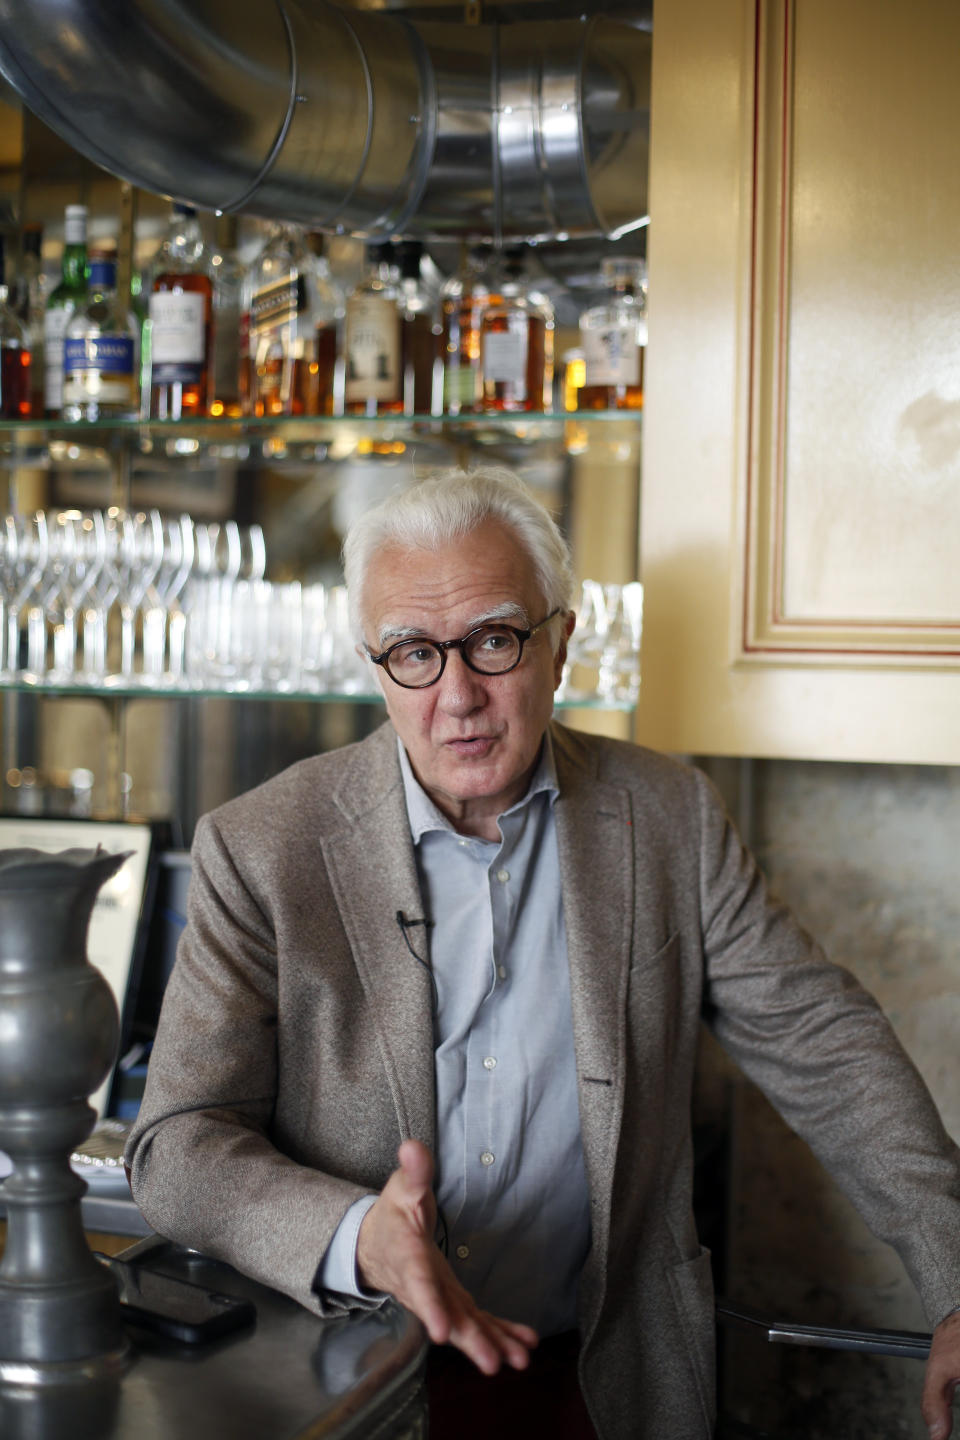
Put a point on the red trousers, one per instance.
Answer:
(544, 1399)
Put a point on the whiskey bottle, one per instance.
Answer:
(14, 356)
(181, 321)
(614, 338)
(516, 342)
(295, 325)
(419, 335)
(462, 301)
(101, 351)
(63, 300)
(372, 345)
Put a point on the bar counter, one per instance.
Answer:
(289, 1376)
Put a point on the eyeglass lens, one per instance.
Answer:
(491, 650)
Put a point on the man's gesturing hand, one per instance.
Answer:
(942, 1377)
(396, 1253)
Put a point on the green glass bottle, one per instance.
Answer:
(67, 297)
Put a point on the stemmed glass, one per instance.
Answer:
(135, 561)
(619, 670)
(78, 540)
(25, 545)
(103, 591)
(239, 552)
(585, 645)
(162, 609)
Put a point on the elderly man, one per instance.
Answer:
(432, 1028)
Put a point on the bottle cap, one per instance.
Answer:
(75, 225)
(625, 269)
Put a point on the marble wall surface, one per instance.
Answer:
(869, 858)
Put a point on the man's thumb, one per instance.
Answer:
(416, 1162)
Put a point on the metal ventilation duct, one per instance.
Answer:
(347, 120)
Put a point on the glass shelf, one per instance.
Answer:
(44, 444)
(111, 690)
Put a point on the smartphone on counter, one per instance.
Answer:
(175, 1308)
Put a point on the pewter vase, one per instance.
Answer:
(59, 1031)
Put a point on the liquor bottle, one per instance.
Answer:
(101, 351)
(229, 277)
(372, 344)
(181, 321)
(296, 321)
(462, 302)
(516, 342)
(419, 335)
(32, 289)
(614, 337)
(30, 293)
(14, 356)
(63, 300)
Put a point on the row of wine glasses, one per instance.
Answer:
(603, 655)
(113, 598)
(255, 635)
(70, 579)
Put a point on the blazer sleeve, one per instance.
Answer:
(821, 1049)
(203, 1167)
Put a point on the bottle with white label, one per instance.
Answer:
(372, 342)
(516, 342)
(101, 352)
(181, 322)
(295, 328)
(61, 303)
(614, 338)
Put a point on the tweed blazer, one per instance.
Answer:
(294, 1050)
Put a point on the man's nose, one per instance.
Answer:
(461, 689)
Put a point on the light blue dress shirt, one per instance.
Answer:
(511, 1184)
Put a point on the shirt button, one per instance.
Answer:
(489, 1062)
(487, 1158)
(503, 876)
(463, 1252)
(502, 971)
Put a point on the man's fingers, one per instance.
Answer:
(396, 1253)
(942, 1378)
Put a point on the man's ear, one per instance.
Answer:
(568, 621)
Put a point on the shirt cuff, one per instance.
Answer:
(337, 1270)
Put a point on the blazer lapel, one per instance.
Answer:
(373, 873)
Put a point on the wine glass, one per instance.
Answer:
(161, 606)
(135, 560)
(78, 540)
(619, 670)
(101, 595)
(585, 645)
(25, 546)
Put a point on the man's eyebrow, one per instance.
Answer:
(389, 635)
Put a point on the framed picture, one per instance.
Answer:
(118, 925)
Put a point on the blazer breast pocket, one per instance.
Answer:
(655, 1003)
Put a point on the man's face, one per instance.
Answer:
(472, 739)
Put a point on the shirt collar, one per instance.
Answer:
(424, 815)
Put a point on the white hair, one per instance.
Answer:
(448, 505)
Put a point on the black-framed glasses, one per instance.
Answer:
(490, 649)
